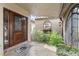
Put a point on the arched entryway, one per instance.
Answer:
(72, 27)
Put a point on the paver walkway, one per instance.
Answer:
(31, 49)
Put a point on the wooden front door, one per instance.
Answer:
(15, 28)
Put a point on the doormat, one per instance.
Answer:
(23, 50)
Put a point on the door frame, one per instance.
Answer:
(26, 24)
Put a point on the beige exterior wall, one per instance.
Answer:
(55, 25)
(14, 8)
(29, 29)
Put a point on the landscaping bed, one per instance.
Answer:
(55, 39)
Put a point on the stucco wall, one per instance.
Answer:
(55, 25)
(14, 8)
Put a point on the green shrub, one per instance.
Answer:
(65, 50)
(40, 36)
(55, 39)
(52, 38)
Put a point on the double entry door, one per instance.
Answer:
(15, 28)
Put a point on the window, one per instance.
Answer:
(72, 27)
(74, 23)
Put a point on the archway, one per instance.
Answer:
(72, 27)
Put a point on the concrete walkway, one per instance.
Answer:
(32, 49)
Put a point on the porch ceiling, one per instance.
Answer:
(42, 9)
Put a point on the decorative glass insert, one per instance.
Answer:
(18, 23)
(5, 28)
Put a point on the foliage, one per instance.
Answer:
(52, 38)
(40, 36)
(65, 50)
(55, 39)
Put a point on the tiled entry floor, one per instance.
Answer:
(31, 49)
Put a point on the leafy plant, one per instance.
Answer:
(67, 51)
(52, 38)
(55, 39)
(40, 36)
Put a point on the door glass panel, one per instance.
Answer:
(5, 29)
(18, 23)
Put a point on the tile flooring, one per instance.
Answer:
(31, 49)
